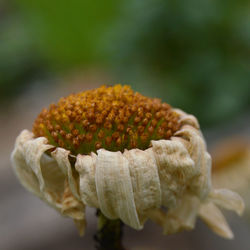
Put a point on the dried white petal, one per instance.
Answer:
(213, 217)
(73, 208)
(175, 168)
(45, 177)
(51, 181)
(21, 168)
(62, 157)
(186, 119)
(86, 167)
(114, 188)
(70, 205)
(227, 199)
(182, 216)
(195, 144)
(145, 180)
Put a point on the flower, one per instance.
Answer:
(126, 154)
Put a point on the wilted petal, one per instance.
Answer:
(213, 217)
(73, 208)
(50, 177)
(145, 180)
(175, 168)
(182, 216)
(114, 188)
(86, 167)
(193, 141)
(23, 171)
(62, 157)
(227, 199)
(186, 119)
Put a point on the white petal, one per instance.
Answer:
(21, 169)
(227, 199)
(213, 217)
(175, 168)
(50, 177)
(145, 180)
(183, 216)
(186, 119)
(86, 167)
(46, 177)
(114, 188)
(70, 205)
(62, 157)
(192, 139)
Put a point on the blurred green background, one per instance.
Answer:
(193, 54)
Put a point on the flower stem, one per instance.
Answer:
(109, 234)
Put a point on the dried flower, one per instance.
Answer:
(125, 154)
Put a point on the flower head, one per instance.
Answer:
(114, 118)
(125, 154)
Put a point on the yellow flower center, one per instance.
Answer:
(114, 118)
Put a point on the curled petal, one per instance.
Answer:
(183, 216)
(186, 119)
(62, 157)
(172, 155)
(73, 208)
(196, 147)
(86, 167)
(145, 180)
(70, 205)
(23, 171)
(215, 220)
(175, 169)
(114, 188)
(227, 199)
(51, 179)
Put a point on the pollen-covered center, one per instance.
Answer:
(114, 118)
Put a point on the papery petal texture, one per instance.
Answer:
(48, 177)
(114, 188)
(145, 181)
(86, 167)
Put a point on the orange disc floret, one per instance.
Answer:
(114, 118)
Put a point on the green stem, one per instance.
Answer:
(109, 234)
